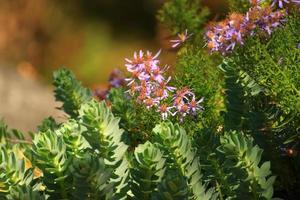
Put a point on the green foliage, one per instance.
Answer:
(178, 146)
(49, 153)
(132, 114)
(180, 15)
(239, 5)
(247, 106)
(69, 91)
(268, 73)
(73, 164)
(26, 193)
(148, 172)
(48, 123)
(240, 153)
(260, 87)
(274, 64)
(17, 180)
(86, 158)
(90, 178)
(235, 104)
(196, 70)
(103, 132)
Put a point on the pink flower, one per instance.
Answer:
(164, 111)
(157, 74)
(181, 95)
(280, 3)
(182, 37)
(225, 35)
(116, 79)
(137, 75)
(133, 88)
(195, 105)
(150, 102)
(183, 110)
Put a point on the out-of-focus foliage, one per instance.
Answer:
(239, 5)
(180, 15)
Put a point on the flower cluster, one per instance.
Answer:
(150, 86)
(225, 35)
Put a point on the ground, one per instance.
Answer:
(24, 101)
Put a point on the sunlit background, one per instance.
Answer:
(89, 37)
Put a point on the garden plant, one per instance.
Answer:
(223, 123)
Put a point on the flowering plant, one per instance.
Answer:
(148, 80)
(225, 125)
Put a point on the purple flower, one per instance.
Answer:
(195, 105)
(268, 22)
(116, 79)
(296, 1)
(150, 102)
(225, 35)
(279, 3)
(162, 89)
(183, 110)
(133, 89)
(182, 37)
(141, 60)
(181, 96)
(137, 75)
(157, 74)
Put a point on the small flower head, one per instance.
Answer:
(220, 129)
(133, 88)
(290, 152)
(181, 95)
(164, 110)
(195, 105)
(150, 102)
(116, 79)
(182, 37)
(183, 110)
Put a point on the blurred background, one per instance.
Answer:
(89, 37)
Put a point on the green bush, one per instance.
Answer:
(86, 158)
